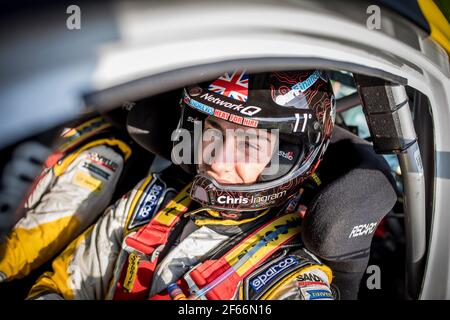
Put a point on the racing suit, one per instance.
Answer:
(266, 261)
(74, 188)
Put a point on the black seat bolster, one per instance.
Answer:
(358, 191)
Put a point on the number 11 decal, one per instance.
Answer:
(297, 121)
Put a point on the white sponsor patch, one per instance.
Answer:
(314, 285)
(269, 274)
(252, 200)
(363, 229)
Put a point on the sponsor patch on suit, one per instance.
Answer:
(148, 204)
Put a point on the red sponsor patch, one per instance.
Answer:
(221, 114)
(236, 119)
(250, 123)
(310, 283)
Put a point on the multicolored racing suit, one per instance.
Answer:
(155, 238)
(74, 188)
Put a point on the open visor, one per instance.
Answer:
(288, 149)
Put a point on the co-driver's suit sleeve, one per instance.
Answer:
(66, 199)
(84, 269)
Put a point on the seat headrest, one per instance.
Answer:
(151, 122)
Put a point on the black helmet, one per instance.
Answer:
(300, 104)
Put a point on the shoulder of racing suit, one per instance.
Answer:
(93, 147)
(89, 134)
(149, 196)
(291, 274)
(73, 189)
(90, 155)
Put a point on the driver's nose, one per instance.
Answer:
(224, 158)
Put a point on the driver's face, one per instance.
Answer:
(241, 156)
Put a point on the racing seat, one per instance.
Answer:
(356, 192)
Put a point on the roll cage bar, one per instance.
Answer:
(388, 115)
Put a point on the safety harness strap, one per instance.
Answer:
(141, 249)
(212, 279)
(219, 279)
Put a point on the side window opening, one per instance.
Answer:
(423, 124)
(390, 253)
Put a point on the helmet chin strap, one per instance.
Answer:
(239, 215)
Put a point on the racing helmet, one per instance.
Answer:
(299, 104)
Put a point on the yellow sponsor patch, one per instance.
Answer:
(59, 168)
(133, 263)
(170, 213)
(84, 180)
(175, 208)
(316, 179)
(74, 135)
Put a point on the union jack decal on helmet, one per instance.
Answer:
(233, 85)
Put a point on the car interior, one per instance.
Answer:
(383, 132)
